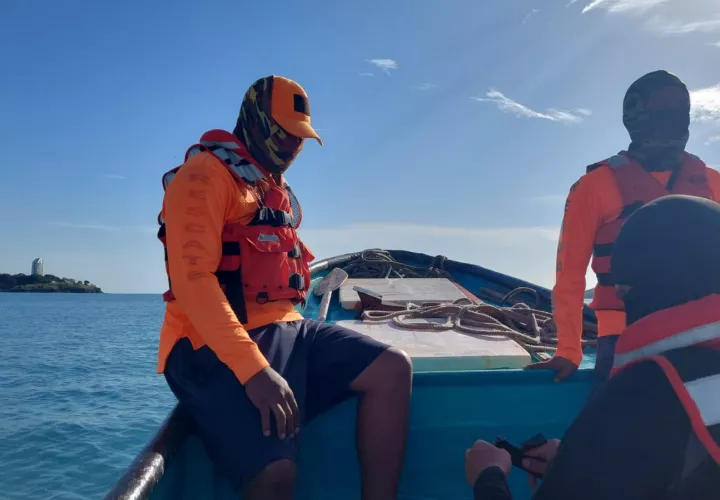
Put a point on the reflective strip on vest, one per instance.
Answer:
(705, 391)
(617, 161)
(224, 145)
(687, 338)
(241, 167)
(193, 151)
(167, 178)
(246, 170)
(295, 207)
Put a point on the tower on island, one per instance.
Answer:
(37, 267)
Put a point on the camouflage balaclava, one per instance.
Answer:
(271, 146)
(656, 113)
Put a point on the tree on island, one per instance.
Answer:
(44, 284)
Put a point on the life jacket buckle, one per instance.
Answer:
(297, 281)
(295, 253)
(262, 298)
(266, 216)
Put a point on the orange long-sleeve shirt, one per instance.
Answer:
(593, 200)
(201, 199)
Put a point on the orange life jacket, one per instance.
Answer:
(637, 187)
(685, 342)
(264, 260)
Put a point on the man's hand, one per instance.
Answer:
(562, 367)
(545, 454)
(269, 392)
(484, 455)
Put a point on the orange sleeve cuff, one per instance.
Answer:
(251, 364)
(570, 353)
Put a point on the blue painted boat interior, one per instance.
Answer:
(449, 411)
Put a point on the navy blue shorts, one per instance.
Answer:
(319, 362)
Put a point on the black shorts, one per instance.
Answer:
(319, 362)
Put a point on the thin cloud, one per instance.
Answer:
(98, 227)
(623, 5)
(665, 17)
(716, 44)
(104, 227)
(712, 140)
(115, 176)
(529, 15)
(384, 64)
(507, 105)
(426, 86)
(670, 27)
(366, 74)
(583, 112)
(706, 104)
(549, 198)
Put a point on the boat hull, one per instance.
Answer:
(449, 412)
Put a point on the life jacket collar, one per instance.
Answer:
(686, 325)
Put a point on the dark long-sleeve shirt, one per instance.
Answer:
(628, 443)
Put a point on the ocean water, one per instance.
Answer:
(79, 396)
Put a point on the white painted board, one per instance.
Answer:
(401, 291)
(447, 350)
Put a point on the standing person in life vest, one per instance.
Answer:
(656, 113)
(652, 431)
(234, 350)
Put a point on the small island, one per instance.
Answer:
(23, 283)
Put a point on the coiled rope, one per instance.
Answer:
(532, 328)
(378, 263)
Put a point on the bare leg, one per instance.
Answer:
(382, 424)
(275, 482)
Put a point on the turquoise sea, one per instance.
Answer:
(79, 396)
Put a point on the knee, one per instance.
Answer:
(396, 367)
(391, 372)
(277, 480)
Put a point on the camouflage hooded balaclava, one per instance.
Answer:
(656, 113)
(271, 146)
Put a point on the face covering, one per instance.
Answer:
(667, 254)
(656, 113)
(266, 141)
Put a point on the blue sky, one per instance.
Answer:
(450, 126)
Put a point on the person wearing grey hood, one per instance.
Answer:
(656, 114)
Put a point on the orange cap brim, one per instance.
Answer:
(298, 128)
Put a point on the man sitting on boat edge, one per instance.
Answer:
(234, 350)
(656, 114)
(653, 430)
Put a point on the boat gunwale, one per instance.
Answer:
(148, 467)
